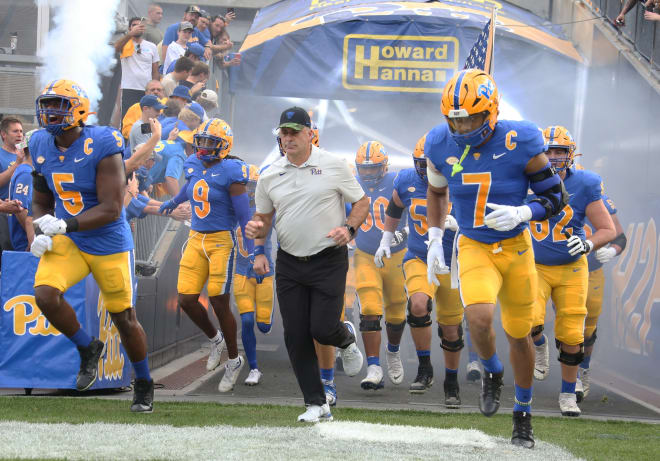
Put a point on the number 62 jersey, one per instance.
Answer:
(71, 176)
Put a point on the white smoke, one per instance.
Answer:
(77, 48)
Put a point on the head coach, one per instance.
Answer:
(306, 191)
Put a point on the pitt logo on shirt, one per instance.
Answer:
(316, 171)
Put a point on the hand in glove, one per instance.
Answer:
(435, 256)
(451, 223)
(50, 225)
(578, 246)
(605, 254)
(167, 207)
(383, 249)
(41, 244)
(506, 217)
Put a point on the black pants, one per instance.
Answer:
(311, 296)
(128, 98)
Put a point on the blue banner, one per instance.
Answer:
(365, 48)
(33, 354)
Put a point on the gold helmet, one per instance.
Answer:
(213, 140)
(419, 159)
(558, 137)
(62, 105)
(371, 162)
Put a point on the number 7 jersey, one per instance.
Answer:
(71, 176)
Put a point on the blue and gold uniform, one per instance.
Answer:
(106, 251)
(20, 188)
(378, 287)
(492, 264)
(562, 276)
(209, 252)
(411, 189)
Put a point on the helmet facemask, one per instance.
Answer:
(420, 167)
(55, 113)
(209, 148)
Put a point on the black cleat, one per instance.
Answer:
(452, 398)
(143, 396)
(423, 381)
(491, 388)
(523, 435)
(89, 364)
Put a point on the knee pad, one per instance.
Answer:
(395, 327)
(570, 359)
(264, 327)
(537, 330)
(452, 346)
(591, 339)
(420, 322)
(370, 325)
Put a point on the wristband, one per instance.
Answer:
(72, 225)
(259, 250)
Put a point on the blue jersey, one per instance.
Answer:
(549, 241)
(7, 159)
(20, 188)
(412, 192)
(242, 262)
(135, 208)
(208, 192)
(594, 264)
(370, 232)
(492, 173)
(71, 176)
(171, 164)
(171, 35)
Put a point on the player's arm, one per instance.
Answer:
(43, 201)
(359, 212)
(551, 195)
(437, 199)
(142, 153)
(241, 203)
(604, 230)
(619, 242)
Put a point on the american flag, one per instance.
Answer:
(481, 54)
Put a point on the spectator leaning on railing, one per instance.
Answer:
(182, 68)
(134, 112)
(194, 52)
(177, 48)
(652, 15)
(139, 63)
(621, 18)
(203, 25)
(151, 31)
(191, 15)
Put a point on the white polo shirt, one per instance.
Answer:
(136, 69)
(308, 200)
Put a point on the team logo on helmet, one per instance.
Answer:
(471, 93)
(61, 106)
(371, 162)
(558, 137)
(213, 140)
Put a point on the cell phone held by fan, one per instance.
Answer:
(145, 128)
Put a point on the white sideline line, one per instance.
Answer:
(336, 440)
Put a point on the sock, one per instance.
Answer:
(523, 399)
(392, 347)
(249, 339)
(424, 357)
(373, 360)
(493, 364)
(142, 369)
(327, 375)
(585, 362)
(451, 374)
(217, 338)
(540, 342)
(567, 388)
(81, 338)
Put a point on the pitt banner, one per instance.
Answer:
(33, 354)
(346, 49)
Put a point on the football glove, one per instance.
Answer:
(451, 223)
(167, 207)
(435, 256)
(50, 225)
(578, 246)
(605, 254)
(41, 244)
(506, 217)
(383, 249)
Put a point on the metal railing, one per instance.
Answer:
(643, 35)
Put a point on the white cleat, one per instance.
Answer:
(315, 414)
(474, 372)
(394, 367)
(351, 356)
(542, 361)
(568, 404)
(253, 378)
(586, 381)
(232, 370)
(374, 379)
(215, 357)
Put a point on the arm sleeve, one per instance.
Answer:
(241, 204)
(348, 186)
(182, 196)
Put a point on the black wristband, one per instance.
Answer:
(351, 229)
(72, 224)
(393, 210)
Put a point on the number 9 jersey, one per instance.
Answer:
(71, 176)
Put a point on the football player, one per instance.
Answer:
(379, 285)
(253, 293)
(77, 204)
(489, 164)
(559, 248)
(217, 191)
(410, 193)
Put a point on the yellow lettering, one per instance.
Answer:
(402, 52)
(112, 366)
(388, 52)
(440, 75)
(418, 52)
(87, 147)
(427, 75)
(23, 317)
(509, 144)
(441, 52)
(386, 74)
(428, 53)
(413, 74)
(399, 74)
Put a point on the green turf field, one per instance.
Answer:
(588, 439)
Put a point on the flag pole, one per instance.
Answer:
(491, 44)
